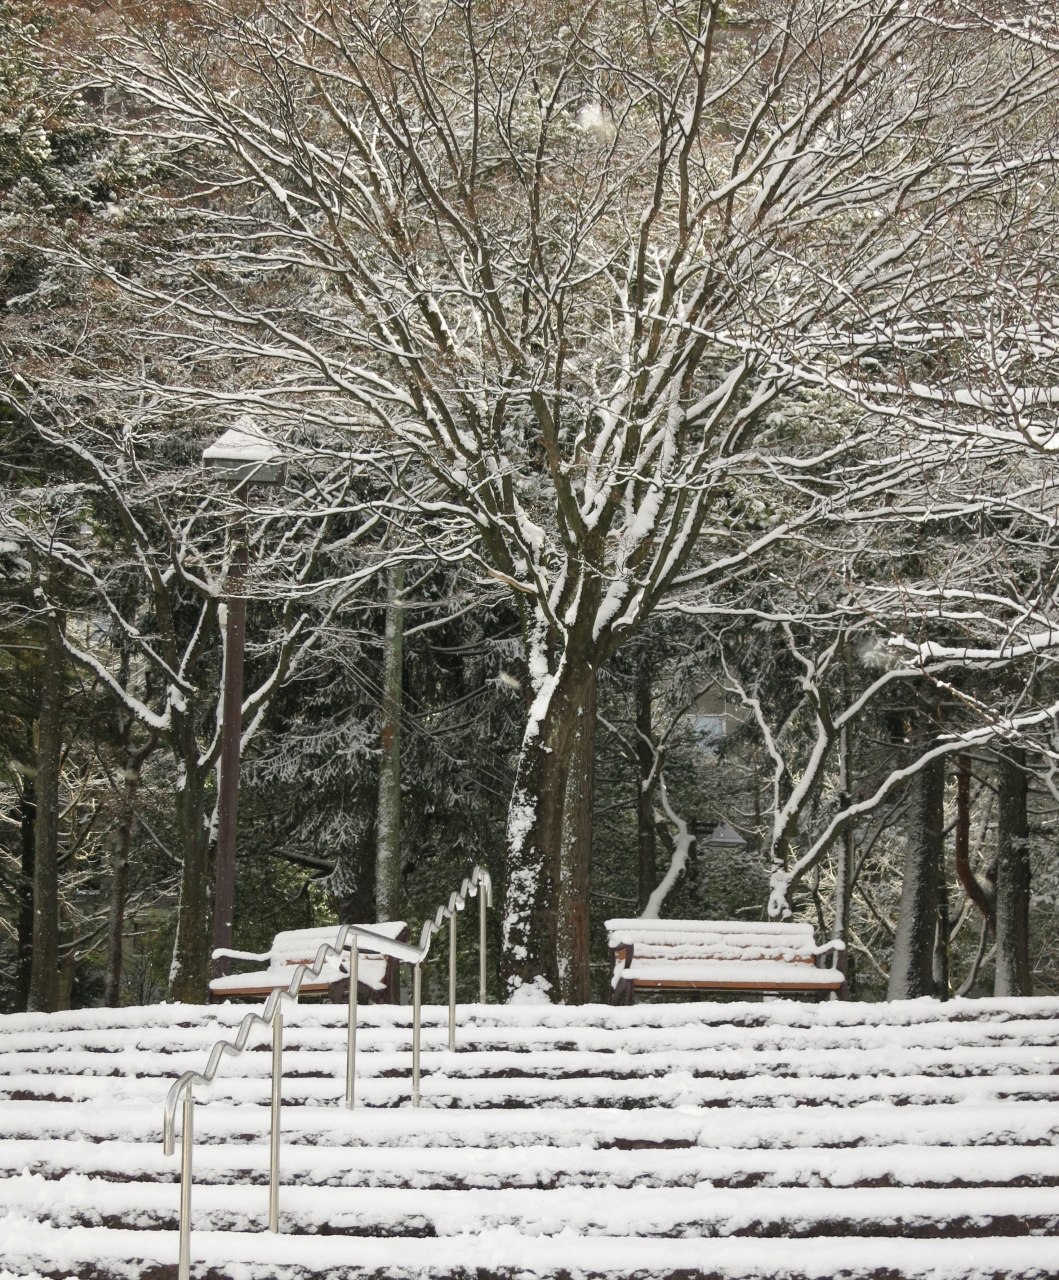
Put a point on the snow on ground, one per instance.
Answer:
(745, 1139)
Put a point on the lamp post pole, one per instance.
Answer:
(244, 456)
(231, 731)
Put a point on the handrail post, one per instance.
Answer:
(481, 942)
(277, 1077)
(452, 981)
(351, 1031)
(186, 1138)
(417, 992)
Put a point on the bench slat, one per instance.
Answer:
(717, 955)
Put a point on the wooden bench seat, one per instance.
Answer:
(376, 974)
(721, 955)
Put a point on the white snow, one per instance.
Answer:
(782, 1140)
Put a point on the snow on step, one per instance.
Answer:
(75, 1200)
(456, 1168)
(679, 1089)
(658, 1139)
(30, 1244)
(1008, 1123)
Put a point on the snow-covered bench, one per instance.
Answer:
(721, 955)
(376, 974)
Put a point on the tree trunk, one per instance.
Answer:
(529, 951)
(1013, 976)
(575, 867)
(27, 806)
(912, 968)
(942, 926)
(983, 896)
(352, 883)
(119, 888)
(44, 986)
(846, 842)
(646, 842)
(388, 841)
(190, 972)
(231, 748)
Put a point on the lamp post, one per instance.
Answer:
(245, 457)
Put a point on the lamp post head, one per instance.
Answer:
(245, 456)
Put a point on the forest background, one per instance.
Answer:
(666, 400)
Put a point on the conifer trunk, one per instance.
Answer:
(44, 982)
(27, 807)
(1013, 976)
(912, 967)
(388, 839)
(119, 889)
(941, 963)
(352, 883)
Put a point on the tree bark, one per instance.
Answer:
(119, 886)
(984, 898)
(231, 746)
(1012, 975)
(535, 826)
(847, 840)
(388, 841)
(646, 840)
(352, 883)
(941, 966)
(27, 806)
(912, 968)
(44, 980)
(190, 972)
(575, 869)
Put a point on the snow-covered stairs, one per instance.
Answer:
(772, 1140)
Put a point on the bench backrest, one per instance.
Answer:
(299, 946)
(713, 940)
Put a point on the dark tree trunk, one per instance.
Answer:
(119, 887)
(1013, 976)
(352, 883)
(27, 805)
(190, 973)
(912, 968)
(532, 894)
(575, 871)
(983, 896)
(647, 848)
(44, 980)
(942, 977)
(847, 840)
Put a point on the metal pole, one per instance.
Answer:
(351, 1033)
(277, 1077)
(481, 942)
(417, 991)
(231, 732)
(452, 981)
(186, 1138)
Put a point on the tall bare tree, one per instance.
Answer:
(574, 263)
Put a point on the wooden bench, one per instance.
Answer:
(721, 955)
(376, 974)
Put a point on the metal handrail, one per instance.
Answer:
(347, 938)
